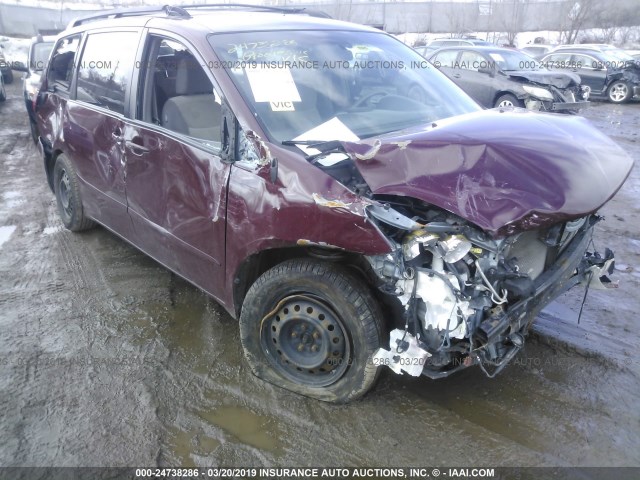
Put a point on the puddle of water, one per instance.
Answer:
(5, 233)
(259, 431)
(186, 444)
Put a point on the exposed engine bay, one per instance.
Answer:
(470, 299)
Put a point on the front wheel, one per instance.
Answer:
(3, 93)
(619, 92)
(8, 77)
(312, 327)
(67, 190)
(508, 100)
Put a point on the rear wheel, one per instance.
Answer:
(619, 92)
(508, 100)
(66, 188)
(8, 77)
(3, 93)
(311, 327)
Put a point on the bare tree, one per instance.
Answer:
(511, 19)
(458, 21)
(577, 15)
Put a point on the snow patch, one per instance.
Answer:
(5, 233)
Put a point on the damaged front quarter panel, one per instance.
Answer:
(468, 299)
(486, 231)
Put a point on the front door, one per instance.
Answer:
(176, 180)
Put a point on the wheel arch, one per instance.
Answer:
(50, 156)
(257, 264)
(520, 96)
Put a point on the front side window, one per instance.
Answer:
(62, 63)
(105, 69)
(472, 61)
(336, 85)
(177, 93)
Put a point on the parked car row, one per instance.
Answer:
(566, 77)
(502, 77)
(361, 215)
(5, 67)
(606, 71)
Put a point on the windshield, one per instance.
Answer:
(336, 85)
(511, 60)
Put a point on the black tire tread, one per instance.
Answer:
(80, 221)
(355, 292)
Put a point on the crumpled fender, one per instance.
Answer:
(503, 170)
(557, 79)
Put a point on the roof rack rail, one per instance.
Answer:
(168, 10)
(261, 8)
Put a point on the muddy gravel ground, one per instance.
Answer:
(107, 359)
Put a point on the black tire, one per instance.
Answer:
(311, 327)
(619, 92)
(508, 100)
(65, 183)
(8, 77)
(3, 93)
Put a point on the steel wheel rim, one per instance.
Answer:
(618, 92)
(306, 341)
(64, 194)
(506, 103)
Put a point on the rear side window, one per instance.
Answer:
(62, 63)
(105, 69)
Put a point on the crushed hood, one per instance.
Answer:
(556, 79)
(504, 170)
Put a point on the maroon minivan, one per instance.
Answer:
(351, 209)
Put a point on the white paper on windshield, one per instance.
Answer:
(282, 106)
(332, 129)
(271, 84)
(497, 57)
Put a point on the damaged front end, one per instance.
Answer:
(466, 298)
(552, 99)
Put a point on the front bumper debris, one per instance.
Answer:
(494, 334)
(569, 106)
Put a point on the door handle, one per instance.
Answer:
(456, 75)
(135, 148)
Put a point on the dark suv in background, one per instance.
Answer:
(5, 67)
(346, 228)
(608, 72)
(503, 77)
(37, 57)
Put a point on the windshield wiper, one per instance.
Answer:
(318, 144)
(325, 146)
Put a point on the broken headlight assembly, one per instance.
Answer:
(464, 297)
(537, 92)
